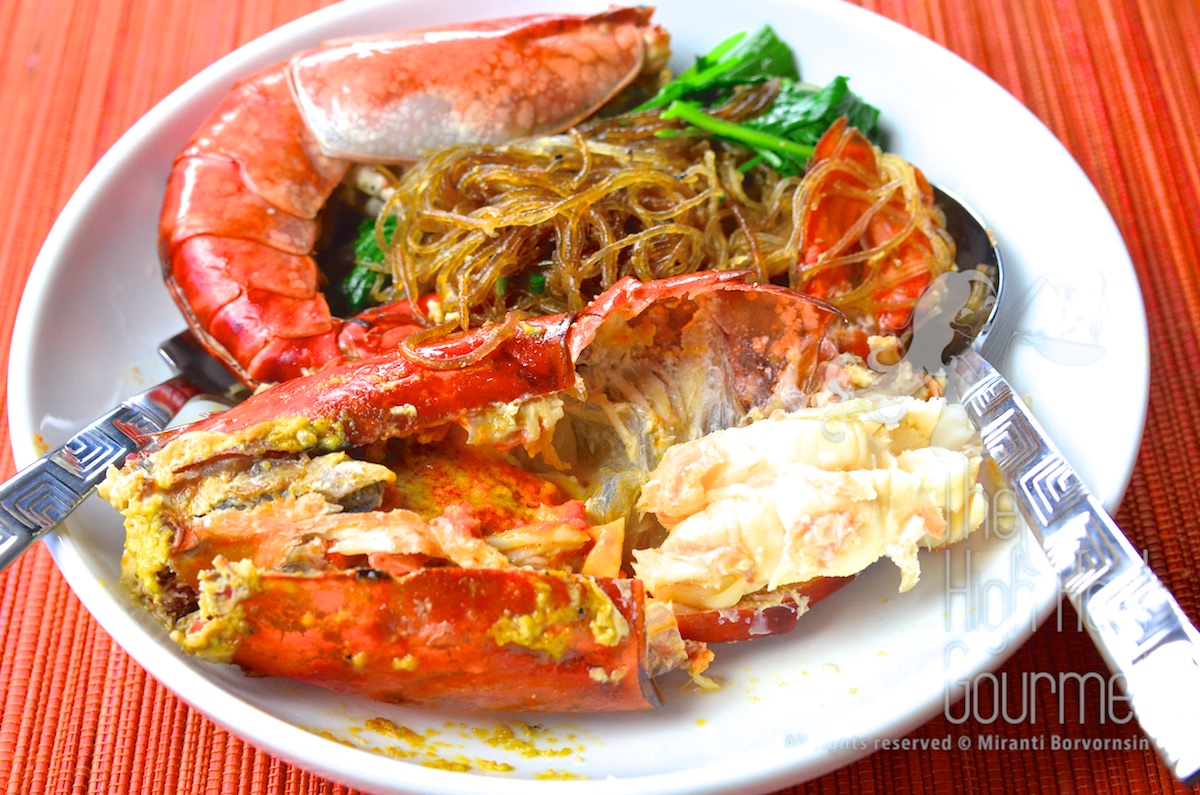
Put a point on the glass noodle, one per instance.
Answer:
(542, 225)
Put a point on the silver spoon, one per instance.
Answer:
(1139, 628)
(40, 496)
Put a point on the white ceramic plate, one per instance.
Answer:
(866, 665)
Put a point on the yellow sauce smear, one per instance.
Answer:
(549, 628)
(504, 737)
(428, 749)
(557, 775)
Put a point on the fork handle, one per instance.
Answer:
(40, 496)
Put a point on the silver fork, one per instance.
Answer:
(43, 494)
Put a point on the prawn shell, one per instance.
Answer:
(207, 195)
(365, 631)
(431, 637)
(748, 620)
(258, 127)
(396, 96)
(386, 396)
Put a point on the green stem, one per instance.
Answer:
(693, 77)
(736, 132)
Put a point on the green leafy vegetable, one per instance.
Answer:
(784, 135)
(738, 60)
(366, 277)
(778, 151)
(801, 113)
(358, 286)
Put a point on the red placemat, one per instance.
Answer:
(1116, 81)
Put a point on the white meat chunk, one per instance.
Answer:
(815, 493)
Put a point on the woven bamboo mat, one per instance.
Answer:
(1115, 80)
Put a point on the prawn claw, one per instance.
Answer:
(393, 97)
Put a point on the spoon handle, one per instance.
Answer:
(1139, 628)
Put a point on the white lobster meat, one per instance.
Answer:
(816, 493)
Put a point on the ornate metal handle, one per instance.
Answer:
(1136, 624)
(44, 493)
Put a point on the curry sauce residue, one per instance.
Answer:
(548, 627)
(439, 749)
(524, 741)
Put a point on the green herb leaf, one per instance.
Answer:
(366, 277)
(537, 283)
(358, 286)
(366, 249)
(803, 114)
(782, 154)
(784, 135)
(738, 60)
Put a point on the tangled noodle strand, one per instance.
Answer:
(542, 225)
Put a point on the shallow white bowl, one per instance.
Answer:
(865, 665)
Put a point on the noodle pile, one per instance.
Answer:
(543, 225)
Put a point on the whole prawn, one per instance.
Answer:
(241, 215)
(871, 237)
